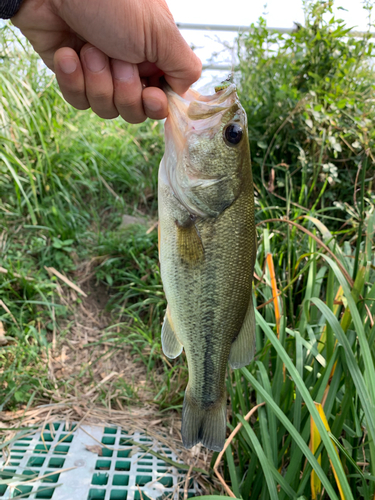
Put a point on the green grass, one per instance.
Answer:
(309, 100)
(66, 180)
(323, 352)
(295, 369)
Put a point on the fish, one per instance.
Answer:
(207, 248)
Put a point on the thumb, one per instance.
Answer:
(175, 58)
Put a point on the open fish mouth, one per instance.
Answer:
(195, 123)
(194, 113)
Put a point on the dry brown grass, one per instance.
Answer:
(79, 355)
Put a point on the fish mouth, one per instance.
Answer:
(192, 117)
(194, 113)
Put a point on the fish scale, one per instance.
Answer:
(207, 243)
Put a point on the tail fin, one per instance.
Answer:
(205, 426)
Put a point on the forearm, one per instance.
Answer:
(9, 8)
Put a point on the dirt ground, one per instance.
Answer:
(80, 356)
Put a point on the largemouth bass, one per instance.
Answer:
(207, 246)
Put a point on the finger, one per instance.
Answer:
(155, 103)
(147, 69)
(150, 75)
(70, 77)
(98, 81)
(182, 71)
(175, 58)
(128, 91)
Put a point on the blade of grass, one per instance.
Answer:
(18, 182)
(275, 292)
(293, 432)
(232, 471)
(354, 370)
(315, 441)
(361, 210)
(358, 324)
(270, 415)
(309, 403)
(264, 462)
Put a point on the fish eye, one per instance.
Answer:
(233, 134)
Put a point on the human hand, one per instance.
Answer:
(110, 55)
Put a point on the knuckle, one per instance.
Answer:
(80, 106)
(131, 110)
(100, 95)
(75, 93)
(197, 70)
(106, 115)
(77, 99)
(107, 111)
(133, 119)
(124, 100)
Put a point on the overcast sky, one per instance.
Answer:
(278, 14)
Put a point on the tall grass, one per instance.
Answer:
(55, 159)
(314, 367)
(327, 357)
(66, 179)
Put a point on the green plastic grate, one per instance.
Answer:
(63, 464)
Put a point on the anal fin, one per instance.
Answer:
(243, 347)
(172, 347)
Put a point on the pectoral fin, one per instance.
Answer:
(243, 347)
(172, 347)
(189, 244)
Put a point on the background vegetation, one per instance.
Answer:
(67, 178)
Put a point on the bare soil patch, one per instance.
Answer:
(84, 367)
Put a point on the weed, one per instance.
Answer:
(309, 101)
(66, 180)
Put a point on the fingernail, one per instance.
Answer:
(122, 70)
(95, 60)
(152, 105)
(68, 65)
